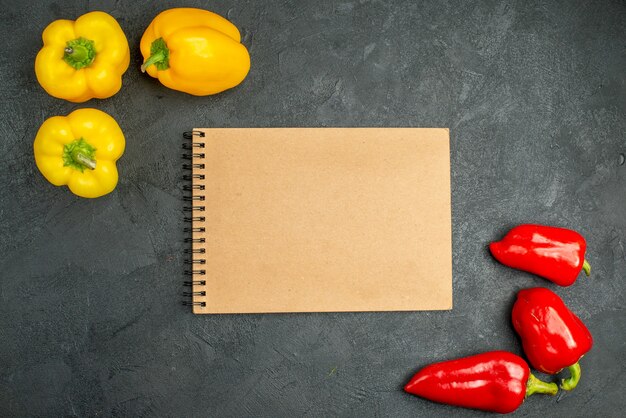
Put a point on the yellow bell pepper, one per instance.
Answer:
(194, 51)
(83, 59)
(80, 150)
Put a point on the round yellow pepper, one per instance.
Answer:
(80, 150)
(194, 51)
(83, 59)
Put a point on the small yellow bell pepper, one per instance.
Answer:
(194, 51)
(80, 150)
(83, 59)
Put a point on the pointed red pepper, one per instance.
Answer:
(496, 381)
(553, 337)
(557, 254)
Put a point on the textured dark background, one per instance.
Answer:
(90, 317)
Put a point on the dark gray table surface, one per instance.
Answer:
(91, 321)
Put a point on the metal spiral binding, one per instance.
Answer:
(193, 259)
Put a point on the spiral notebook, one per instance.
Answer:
(318, 220)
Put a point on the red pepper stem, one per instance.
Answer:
(572, 381)
(586, 267)
(534, 385)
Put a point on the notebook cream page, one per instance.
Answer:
(321, 220)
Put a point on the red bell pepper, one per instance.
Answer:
(553, 337)
(496, 381)
(557, 254)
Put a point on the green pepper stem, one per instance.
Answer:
(84, 159)
(159, 56)
(79, 154)
(586, 267)
(534, 385)
(572, 381)
(79, 53)
(153, 59)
